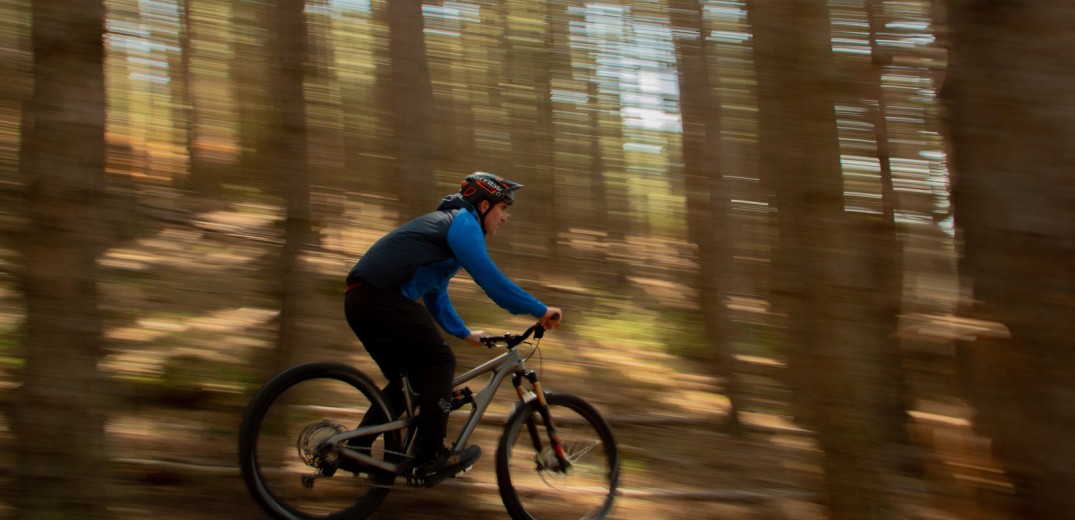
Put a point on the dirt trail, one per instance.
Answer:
(191, 314)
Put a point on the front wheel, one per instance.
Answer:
(534, 482)
(285, 462)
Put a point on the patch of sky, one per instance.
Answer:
(351, 5)
(149, 78)
(453, 12)
(843, 49)
(319, 8)
(683, 33)
(729, 36)
(909, 42)
(908, 26)
(569, 96)
(651, 119)
(122, 29)
(732, 11)
(161, 12)
(860, 163)
(643, 148)
(147, 62)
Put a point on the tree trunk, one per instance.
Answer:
(527, 98)
(886, 254)
(288, 46)
(414, 110)
(707, 195)
(1011, 122)
(199, 177)
(827, 275)
(59, 421)
(566, 125)
(608, 165)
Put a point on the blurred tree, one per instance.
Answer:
(59, 421)
(1011, 104)
(360, 48)
(885, 254)
(608, 164)
(607, 201)
(484, 54)
(878, 109)
(557, 49)
(190, 47)
(290, 170)
(14, 94)
(454, 64)
(707, 193)
(414, 110)
(325, 121)
(324, 98)
(527, 96)
(827, 275)
(251, 79)
(199, 177)
(570, 134)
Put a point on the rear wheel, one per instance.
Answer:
(533, 482)
(284, 461)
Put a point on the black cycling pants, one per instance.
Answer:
(401, 336)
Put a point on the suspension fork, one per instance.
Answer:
(546, 417)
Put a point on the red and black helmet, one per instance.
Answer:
(480, 186)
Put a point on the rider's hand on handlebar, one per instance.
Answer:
(552, 318)
(475, 337)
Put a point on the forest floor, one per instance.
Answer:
(190, 312)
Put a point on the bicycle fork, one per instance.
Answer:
(546, 417)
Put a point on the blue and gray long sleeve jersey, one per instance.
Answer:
(419, 258)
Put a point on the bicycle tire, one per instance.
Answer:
(281, 416)
(531, 490)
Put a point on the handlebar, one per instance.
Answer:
(510, 341)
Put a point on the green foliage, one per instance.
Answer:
(627, 328)
(194, 373)
(9, 345)
(676, 332)
(757, 339)
(684, 334)
(186, 381)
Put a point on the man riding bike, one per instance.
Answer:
(417, 260)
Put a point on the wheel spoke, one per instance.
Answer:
(534, 486)
(286, 460)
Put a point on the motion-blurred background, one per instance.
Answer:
(816, 257)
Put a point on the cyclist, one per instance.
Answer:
(417, 260)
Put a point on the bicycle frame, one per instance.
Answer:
(510, 362)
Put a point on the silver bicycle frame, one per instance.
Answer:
(507, 363)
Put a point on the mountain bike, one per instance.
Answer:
(306, 452)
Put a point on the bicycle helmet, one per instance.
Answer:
(480, 186)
